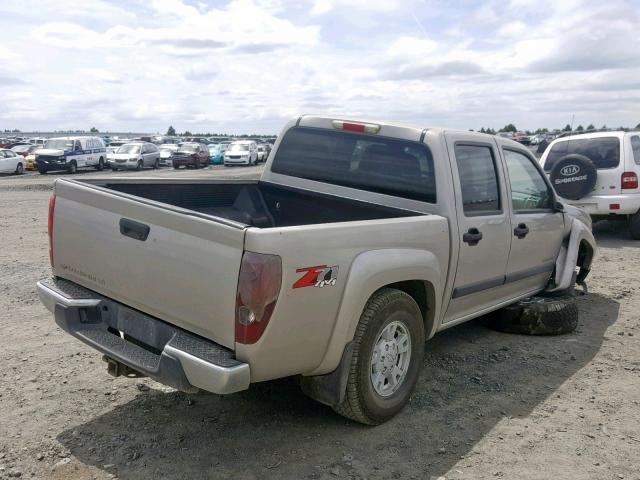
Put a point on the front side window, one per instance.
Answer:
(529, 191)
(604, 152)
(635, 146)
(478, 180)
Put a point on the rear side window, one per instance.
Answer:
(376, 164)
(635, 146)
(604, 152)
(478, 180)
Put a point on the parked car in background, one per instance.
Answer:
(191, 154)
(71, 153)
(166, 153)
(24, 150)
(135, 155)
(11, 162)
(216, 154)
(505, 134)
(38, 141)
(522, 138)
(262, 153)
(598, 172)
(30, 159)
(244, 152)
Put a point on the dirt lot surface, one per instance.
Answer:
(487, 405)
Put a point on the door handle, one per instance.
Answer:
(472, 237)
(521, 230)
(133, 229)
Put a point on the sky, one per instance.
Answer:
(247, 66)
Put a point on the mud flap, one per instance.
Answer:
(330, 389)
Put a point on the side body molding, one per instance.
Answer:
(371, 271)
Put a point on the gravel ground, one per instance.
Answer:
(487, 405)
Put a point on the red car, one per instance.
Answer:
(191, 154)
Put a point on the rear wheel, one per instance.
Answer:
(387, 357)
(19, 169)
(634, 225)
(156, 164)
(139, 165)
(73, 167)
(100, 165)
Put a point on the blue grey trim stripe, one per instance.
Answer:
(496, 282)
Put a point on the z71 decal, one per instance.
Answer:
(318, 276)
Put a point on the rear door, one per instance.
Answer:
(484, 226)
(536, 228)
(168, 262)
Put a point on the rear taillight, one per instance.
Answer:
(258, 289)
(629, 180)
(52, 207)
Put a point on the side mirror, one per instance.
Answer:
(558, 207)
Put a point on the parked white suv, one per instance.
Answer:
(598, 172)
(243, 152)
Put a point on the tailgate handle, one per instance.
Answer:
(133, 229)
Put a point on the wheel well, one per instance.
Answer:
(424, 295)
(585, 255)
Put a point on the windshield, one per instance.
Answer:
(238, 147)
(604, 152)
(214, 149)
(378, 164)
(129, 149)
(186, 147)
(59, 144)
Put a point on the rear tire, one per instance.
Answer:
(634, 225)
(372, 395)
(19, 169)
(156, 164)
(538, 315)
(139, 165)
(100, 165)
(73, 167)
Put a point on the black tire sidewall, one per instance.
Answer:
(564, 180)
(405, 310)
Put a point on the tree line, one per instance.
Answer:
(510, 127)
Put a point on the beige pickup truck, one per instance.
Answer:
(359, 242)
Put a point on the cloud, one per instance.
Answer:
(251, 64)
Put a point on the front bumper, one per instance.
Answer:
(145, 344)
(236, 161)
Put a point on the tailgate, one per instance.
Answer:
(185, 272)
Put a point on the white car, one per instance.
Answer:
(244, 152)
(262, 153)
(10, 162)
(71, 153)
(166, 152)
(135, 155)
(598, 172)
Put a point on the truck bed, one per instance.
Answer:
(172, 249)
(256, 204)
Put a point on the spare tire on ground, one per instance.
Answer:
(573, 176)
(537, 315)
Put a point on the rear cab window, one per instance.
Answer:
(478, 180)
(604, 152)
(373, 163)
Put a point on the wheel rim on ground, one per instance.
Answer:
(390, 358)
